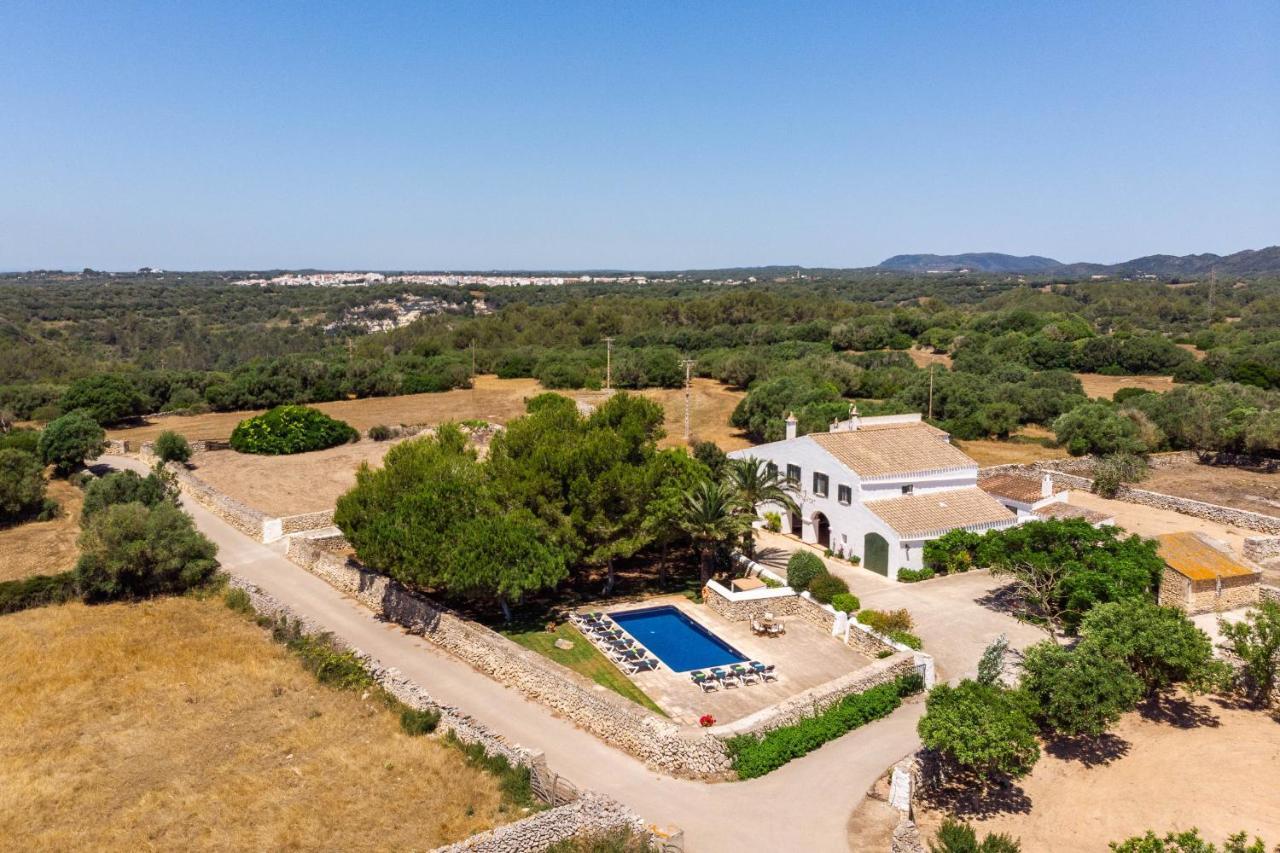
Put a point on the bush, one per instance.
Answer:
(380, 432)
(1113, 471)
(1187, 842)
(107, 398)
(981, 728)
(130, 551)
(322, 658)
(757, 755)
(907, 639)
(69, 441)
(238, 600)
(886, 622)
(21, 439)
(772, 522)
(415, 722)
(802, 568)
(825, 587)
(913, 575)
(171, 447)
(21, 485)
(845, 602)
(123, 487)
(290, 429)
(36, 591)
(623, 839)
(952, 553)
(956, 837)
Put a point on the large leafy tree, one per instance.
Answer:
(133, 551)
(1062, 569)
(1159, 644)
(711, 518)
(981, 729)
(21, 484)
(1080, 691)
(71, 439)
(1098, 428)
(107, 398)
(754, 484)
(122, 487)
(672, 474)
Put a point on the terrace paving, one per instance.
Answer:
(805, 657)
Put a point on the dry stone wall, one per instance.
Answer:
(591, 813)
(1261, 549)
(249, 521)
(660, 743)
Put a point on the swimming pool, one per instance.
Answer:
(675, 639)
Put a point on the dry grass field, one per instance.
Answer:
(1218, 771)
(44, 547)
(1097, 385)
(1242, 488)
(988, 452)
(288, 485)
(177, 724)
(492, 399)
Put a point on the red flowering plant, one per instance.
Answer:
(706, 721)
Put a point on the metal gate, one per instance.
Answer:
(875, 554)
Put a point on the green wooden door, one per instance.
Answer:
(875, 554)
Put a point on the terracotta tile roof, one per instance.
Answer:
(906, 449)
(1066, 511)
(1015, 488)
(934, 513)
(1192, 557)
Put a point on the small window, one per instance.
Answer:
(793, 474)
(820, 484)
(908, 489)
(771, 468)
(844, 494)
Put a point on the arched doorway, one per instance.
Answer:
(875, 554)
(822, 528)
(797, 524)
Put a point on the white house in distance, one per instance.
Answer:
(879, 487)
(1038, 500)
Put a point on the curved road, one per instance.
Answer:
(803, 806)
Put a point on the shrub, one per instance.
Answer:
(1255, 641)
(913, 575)
(323, 659)
(380, 432)
(107, 398)
(981, 728)
(623, 839)
(415, 722)
(290, 429)
(772, 522)
(122, 487)
(953, 552)
(757, 755)
(802, 568)
(956, 837)
(21, 439)
(69, 441)
(1187, 842)
(907, 639)
(130, 551)
(1115, 470)
(36, 591)
(238, 600)
(886, 622)
(845, 602)
(826, 587)
(21, 484)
(171, 447)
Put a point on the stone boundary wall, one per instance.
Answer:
(660, 743)
(1269, 593)
(291, 524)
(249, 521)
(590, 813)
(1186, 506)
(117, 446)
(1260, 549)
(735, 609)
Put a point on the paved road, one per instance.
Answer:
(804, 806)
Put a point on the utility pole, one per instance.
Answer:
(608, 364)
(688, 398)
(930, 391)
(1213, 282)
(473, 361)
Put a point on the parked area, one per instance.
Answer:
(177, 723)
(291, 484)
(44, 547)
(1211, 766)
(800, 657)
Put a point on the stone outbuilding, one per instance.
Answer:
(1201, 575)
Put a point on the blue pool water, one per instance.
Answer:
(675, 639)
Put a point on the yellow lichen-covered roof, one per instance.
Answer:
(908, 449)
(1192, 557)
(1012, 486)
(934, 513)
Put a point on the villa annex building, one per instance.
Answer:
(878, 488)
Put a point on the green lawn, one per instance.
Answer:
(584, 659)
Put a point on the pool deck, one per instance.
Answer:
(805, 657)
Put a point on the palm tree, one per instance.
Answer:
(711, 516)
(755, 483)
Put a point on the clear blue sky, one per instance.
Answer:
(634, 135)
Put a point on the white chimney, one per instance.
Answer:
(854, 420)
(791, 426)
(1046, 486)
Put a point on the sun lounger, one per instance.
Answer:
(642, 665)
(765, 672)
(745, 675)
(728, 679)
(706, 682)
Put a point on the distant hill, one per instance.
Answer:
(973, 261)
(1248, 262)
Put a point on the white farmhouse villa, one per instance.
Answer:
(878, 488)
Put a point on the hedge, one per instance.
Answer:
(290, 429)
(37, 591)
(913, 575)
(824, 588)
(802, 568)
(755, 756)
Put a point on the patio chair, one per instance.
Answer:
(706, 682)
(757, 628)
(728, 679)
(777, 629)
(745, 676)
(767, 673)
